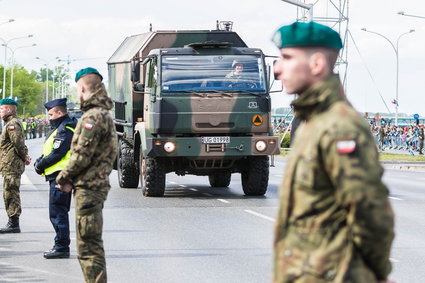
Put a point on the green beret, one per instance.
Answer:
(8, 101)
(81, 73)
(307, 35)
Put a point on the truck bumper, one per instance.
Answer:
(193, 147)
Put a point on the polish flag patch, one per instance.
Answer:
(88, 126)
(11, 127)
(346, 146)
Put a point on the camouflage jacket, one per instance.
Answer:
(13, 150)
(94, 145)
(335, 223)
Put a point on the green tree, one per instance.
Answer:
(26, 88)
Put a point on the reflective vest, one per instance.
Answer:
(48, 148)
(24, 124)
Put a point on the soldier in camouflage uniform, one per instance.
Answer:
(335, 222)
(13, 158)
(93, 151)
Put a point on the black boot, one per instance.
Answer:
(12, 226)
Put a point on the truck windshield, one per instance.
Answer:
(184, 73)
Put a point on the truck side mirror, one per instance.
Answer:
(135, 71)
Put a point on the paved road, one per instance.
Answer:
(193, 234)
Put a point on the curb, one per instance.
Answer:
(413, 168)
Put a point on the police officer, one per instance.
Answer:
(93, 151)
(13, 158)
(335, 223)
(55, 156)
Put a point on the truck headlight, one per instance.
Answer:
(169, 146)
(261, 146)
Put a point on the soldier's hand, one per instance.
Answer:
(66, 188)
(27, 160)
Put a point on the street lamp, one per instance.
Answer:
(47, 74)
(13, 63)
(407, 15)
(395, 47)
(6, 43)
(8, 21)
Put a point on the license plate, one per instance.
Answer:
(215, 139)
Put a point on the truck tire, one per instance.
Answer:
(128, 170)
(220, 179)
(152, 176)
(256, 178)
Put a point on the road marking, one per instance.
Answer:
(171, 182)
(192, 189)
(260, 215)
(183, 186)
(28, 268)
(207, 194)
(395, 198)
(394, 260)
(223, 200)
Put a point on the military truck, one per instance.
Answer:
(180, 106)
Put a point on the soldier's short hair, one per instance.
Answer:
(330, 54)
(92, 81)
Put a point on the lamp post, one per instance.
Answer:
(407, 15)
(395, 48)
(6, 43)
(47, 75)
(6, 22)
(13, 63)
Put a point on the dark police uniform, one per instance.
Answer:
(56, 154)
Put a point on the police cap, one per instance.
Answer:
(307, 35)
(57, 102)
(8, 101)
(81, 73)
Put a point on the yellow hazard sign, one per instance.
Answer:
(257, 120)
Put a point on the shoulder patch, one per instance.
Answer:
(88, 126)
(12, 127)
(346, 146)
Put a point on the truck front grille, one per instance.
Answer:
(211, 164)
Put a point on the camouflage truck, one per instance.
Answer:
(179, 108)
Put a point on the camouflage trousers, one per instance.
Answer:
(89, 225)
(11, 196)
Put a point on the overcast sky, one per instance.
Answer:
(95, 28)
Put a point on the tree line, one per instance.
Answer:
(29, 87)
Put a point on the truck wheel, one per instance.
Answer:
(256, 178)
(220, 179)
(152, 176)
(128, 170)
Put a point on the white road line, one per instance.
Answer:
(171, 182)
(395, 198)
(28, 268)
(260, 215)
(183, 186)
(207, 194)
(223, 200)
(394, 260)
(192, 189)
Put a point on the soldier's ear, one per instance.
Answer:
(318, 64)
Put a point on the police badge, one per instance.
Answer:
(57, 144)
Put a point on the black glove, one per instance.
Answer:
(38, 170)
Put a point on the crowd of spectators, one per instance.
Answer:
(388, 137)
